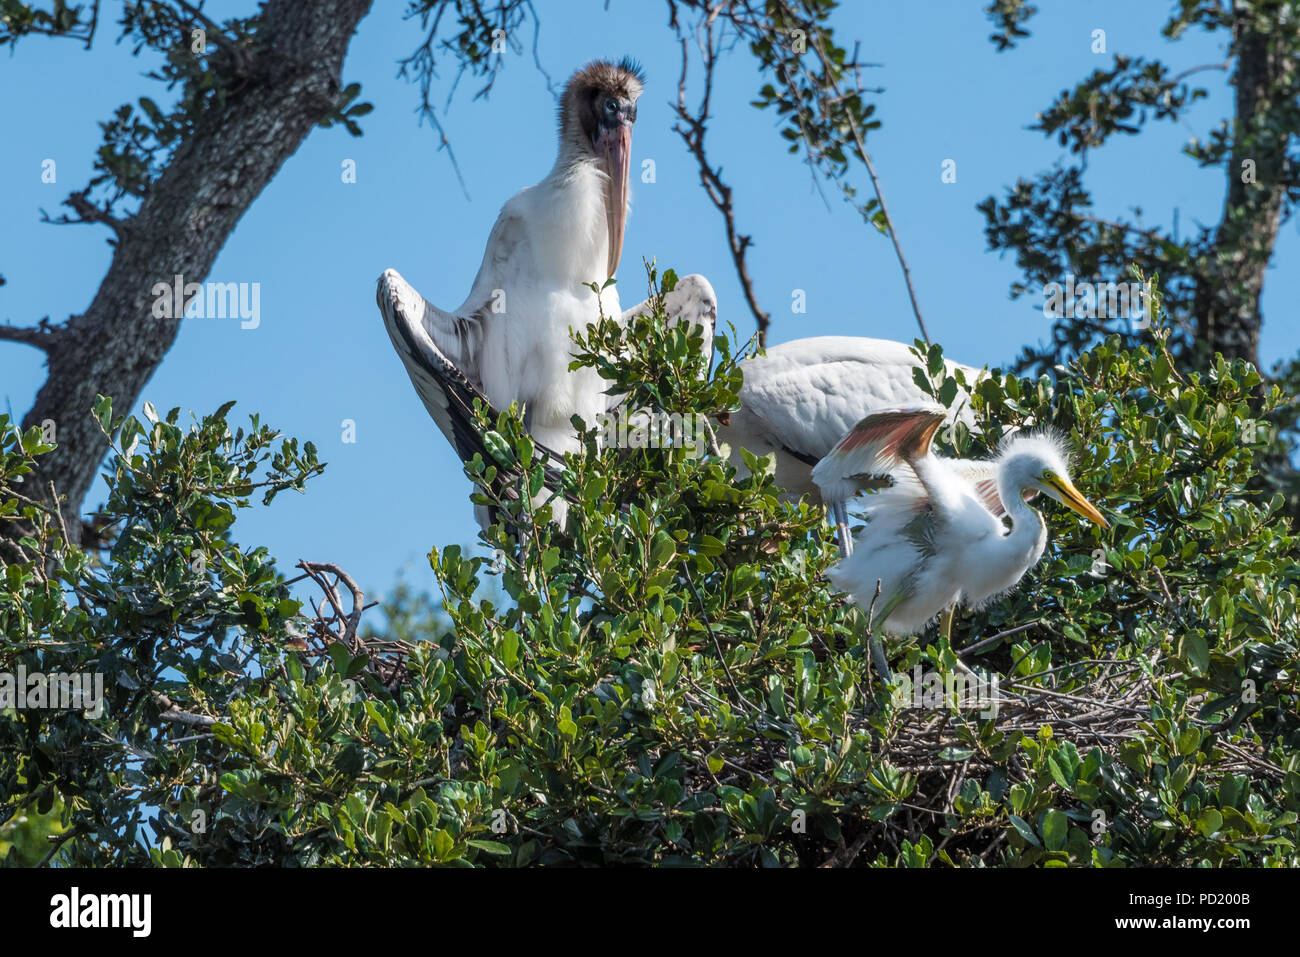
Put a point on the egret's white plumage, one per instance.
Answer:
(939, 535)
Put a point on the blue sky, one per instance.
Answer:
(316, 245)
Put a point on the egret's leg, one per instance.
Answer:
(945, 623)
(945, 629)
(878, 659)
(840, 513)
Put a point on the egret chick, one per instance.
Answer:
(938, 536)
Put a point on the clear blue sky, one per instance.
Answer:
(316, 245)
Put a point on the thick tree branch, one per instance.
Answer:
(215, 174)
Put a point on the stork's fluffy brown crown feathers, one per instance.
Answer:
(584, 104)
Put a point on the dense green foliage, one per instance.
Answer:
(670, 680)
(1213, 273)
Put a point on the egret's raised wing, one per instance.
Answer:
(877, 446)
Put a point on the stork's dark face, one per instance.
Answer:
(598, 111)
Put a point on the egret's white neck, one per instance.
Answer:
(1025, 521)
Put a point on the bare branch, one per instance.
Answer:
(43, 335)
(171, 712)
(87, 212)
(692, 128)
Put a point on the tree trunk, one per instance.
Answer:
(1228, 299)
(184, 220)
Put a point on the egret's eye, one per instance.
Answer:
(1049, 476)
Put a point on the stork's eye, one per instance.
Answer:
(611, 107)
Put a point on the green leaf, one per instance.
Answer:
(1024, 830)
(490, 847)
(1055, 828)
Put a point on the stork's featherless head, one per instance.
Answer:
(1040, 462)
(597, 112)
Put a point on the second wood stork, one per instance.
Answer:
(800, 399)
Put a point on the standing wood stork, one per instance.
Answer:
(510, 337)
(937, 536)
(449, 394)
(509, 341)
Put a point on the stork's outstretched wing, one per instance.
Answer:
(691, 302)
(446, 391)
(443, 387)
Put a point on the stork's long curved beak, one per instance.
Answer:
(616, 146)
(1073, 499)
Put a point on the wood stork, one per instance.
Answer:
(801, 398)
(937, 536)
(449, 394)
(510, 337)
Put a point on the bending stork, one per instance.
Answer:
(800, 399)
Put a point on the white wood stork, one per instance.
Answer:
(936, 536)
(799, 399)
(448, 393)
(510, 339)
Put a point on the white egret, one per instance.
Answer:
(938, 536)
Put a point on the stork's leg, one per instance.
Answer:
(840, 513)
